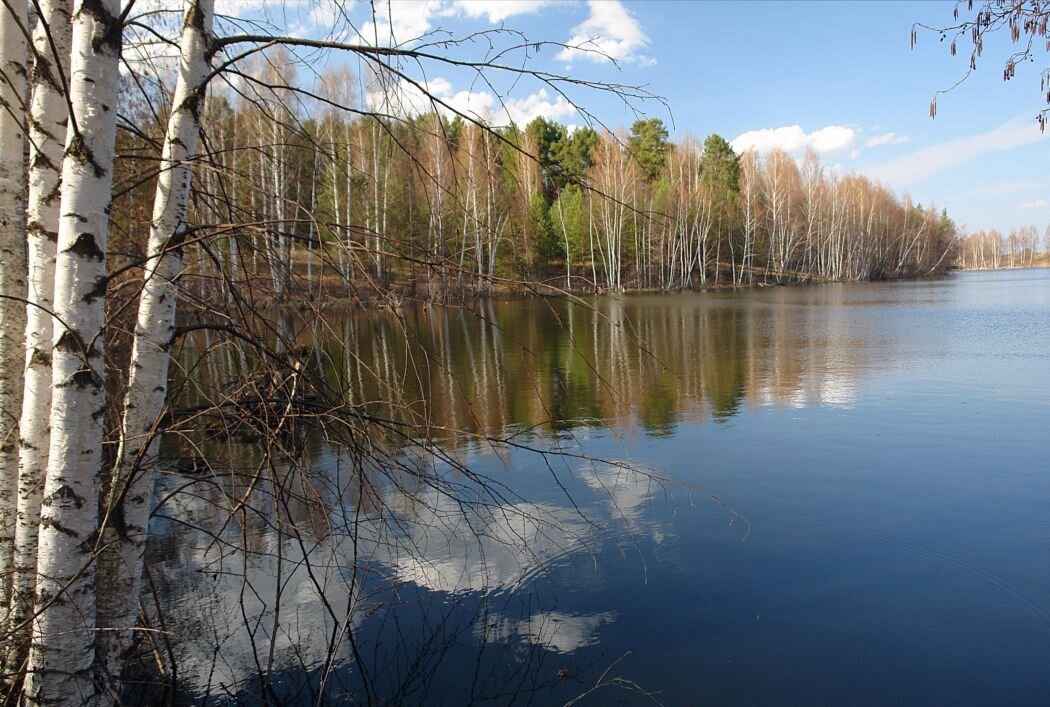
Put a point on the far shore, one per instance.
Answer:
(310, 288)
(1040, 260)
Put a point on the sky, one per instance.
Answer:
(836, 77)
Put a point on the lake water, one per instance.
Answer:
(828, 494)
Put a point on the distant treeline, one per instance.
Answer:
(991, 250)
(444, 206)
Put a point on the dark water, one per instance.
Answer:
(833, 494)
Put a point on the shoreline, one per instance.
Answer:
(332, 290)
(1035, 266)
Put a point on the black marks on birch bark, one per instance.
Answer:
(86, 247)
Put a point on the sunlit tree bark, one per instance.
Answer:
(62, 651)
(47, 131)
(127, 520)
(14, 26)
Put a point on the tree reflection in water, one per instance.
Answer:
(417, 557)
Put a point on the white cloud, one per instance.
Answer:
(556, 631)
(920, 164)
(793, 139)
(405, 99)
(394, 22)
(286, 13)
(235, 8)
(832, 140)
(296, 18)
(325, 15)
(609, 32)
(497, 10)
(538, 105)
(890, 138)
(398, 22)
(564, 633)
(439, 86)
(1034, 204)
(476, 104)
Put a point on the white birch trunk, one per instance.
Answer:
(348, 203)
(47, 133)
(127, 521)
(13, 56)
(62, 651)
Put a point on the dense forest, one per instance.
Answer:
(433, 205)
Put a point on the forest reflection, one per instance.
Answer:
(501, 367)
(302, 570)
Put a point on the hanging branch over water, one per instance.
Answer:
(1026, 21)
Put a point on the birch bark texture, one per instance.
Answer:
(13, 58)
(48, 118)
(63, 639)
(127, 521)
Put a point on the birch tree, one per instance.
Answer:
(62, 650)
(614, 173)
(13, 57)
(124, 534)
(47, 136)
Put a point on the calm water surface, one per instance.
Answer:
(854, 508)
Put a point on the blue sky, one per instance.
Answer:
(838, 77)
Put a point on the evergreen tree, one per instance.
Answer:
(649, 146)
